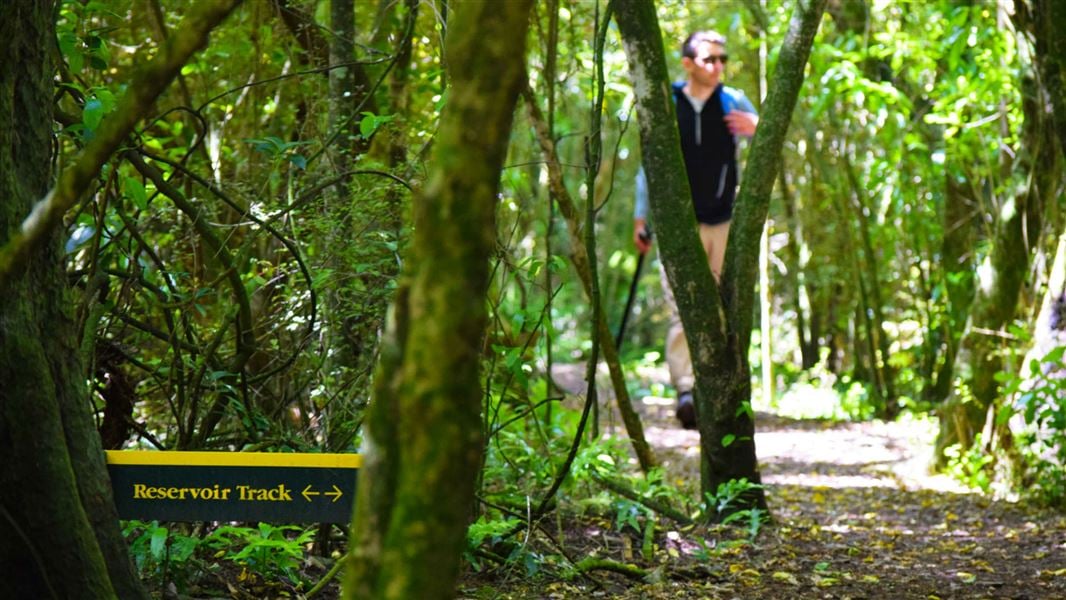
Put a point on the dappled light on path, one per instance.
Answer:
(857, 514)
(838, 455)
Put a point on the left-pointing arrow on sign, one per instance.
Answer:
(307, 493)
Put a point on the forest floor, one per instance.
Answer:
(855, 515)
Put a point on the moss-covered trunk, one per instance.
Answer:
(1001, 277)
(732, 411)
(1046, 21)
(59, 533)
(717, 322)
(423, 440)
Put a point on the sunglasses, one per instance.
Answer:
(712, 58)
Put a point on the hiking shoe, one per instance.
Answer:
(686, 410)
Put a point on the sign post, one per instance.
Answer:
(234, 486)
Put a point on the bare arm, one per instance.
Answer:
(741, 123)
(641, 237)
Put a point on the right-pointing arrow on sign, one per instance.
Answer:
(336, 493)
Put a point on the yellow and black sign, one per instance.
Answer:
(233, 486)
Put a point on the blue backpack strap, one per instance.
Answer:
(734, 99)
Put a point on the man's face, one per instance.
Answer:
(707, 66)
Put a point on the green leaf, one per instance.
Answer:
(728, 439)
(182, 548)
(531, 563)
(73, 50)
(370, 123)
(158, 545)
(70, 46)
(740, 514)
(99, 54)
(745, 409)
(367, 125)
(278, 144)
(135, 191)
(1055, 356)
(216, 375)
(106, 98)
(1004, 414)
(92, 114)
(266, 146)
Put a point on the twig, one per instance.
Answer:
(603, 564)
(581, 261)
(622, 490)
(547, 534)
(322, 583)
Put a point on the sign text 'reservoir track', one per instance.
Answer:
(233, 486)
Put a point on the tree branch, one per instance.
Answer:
(621, 489)
(145, 86)
(580, 257)
(753, 201)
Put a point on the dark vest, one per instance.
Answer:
(710, 159)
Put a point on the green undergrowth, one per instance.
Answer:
(524, 529)
(190, 557)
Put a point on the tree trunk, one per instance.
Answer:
(867, 273)
(342, 108)
(717, 324)
(959, 223)
(806, 317)
(1046, 21)
(343, 103)
(57, 518)
(1000, 279)
(731, 414)
(1003, 274)
(415, 497)
(956, 254)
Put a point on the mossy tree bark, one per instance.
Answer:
(57, 517)
(344, 97)
(1045, 21)
(417, 491)
(1001, 277)
(717, 322)
(58, 525)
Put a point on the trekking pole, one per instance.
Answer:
(646, 236)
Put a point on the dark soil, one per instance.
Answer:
(855, 515)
